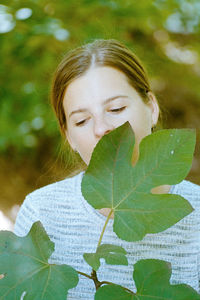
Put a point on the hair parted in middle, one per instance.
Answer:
(100, 52)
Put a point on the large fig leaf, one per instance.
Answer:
(113, 255)
(152, 282)
(111, 181)
(24, 263)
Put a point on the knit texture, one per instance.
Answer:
(75, 226)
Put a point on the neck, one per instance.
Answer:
(162, 189)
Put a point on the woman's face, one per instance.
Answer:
(100, 101)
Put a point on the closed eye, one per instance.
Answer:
(116, 110)
(81, 122)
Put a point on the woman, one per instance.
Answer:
(96, 88)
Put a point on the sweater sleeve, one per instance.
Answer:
(198, 259)
(27, 215)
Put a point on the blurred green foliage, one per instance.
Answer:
(35, 34)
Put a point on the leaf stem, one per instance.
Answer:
(98, 283)
(93, 275)
(104, 227)
(84, 274)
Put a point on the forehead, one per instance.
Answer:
(95, 86)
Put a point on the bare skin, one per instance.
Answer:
(100, 101)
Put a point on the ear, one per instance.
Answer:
(69, 140)
(153, 104)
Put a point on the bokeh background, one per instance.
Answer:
(34, 36)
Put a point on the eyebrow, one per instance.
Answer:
(105, 102)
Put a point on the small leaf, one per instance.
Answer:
(113, 255)
(24, 261)
(111, 181)
(152, 282)
(93, 260)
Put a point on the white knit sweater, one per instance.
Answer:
(75, 226)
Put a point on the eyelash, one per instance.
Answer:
(116, 110)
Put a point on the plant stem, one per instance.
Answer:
(93, 275)
(84, 274)
(104, 227)
(98, 283)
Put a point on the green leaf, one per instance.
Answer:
(113, 255)
(114, 292)
(152, 278)
(111, 181)
(152, 282)
(24, 263)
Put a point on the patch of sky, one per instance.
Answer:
(7, 23)
(61, 34)
(179, 54)
(23, 13)
(53, 27)
(190, 9)
(37, 123)
(183, 22)
(24, 128)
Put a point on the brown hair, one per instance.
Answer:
(100, 52)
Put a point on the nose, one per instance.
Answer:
(101, 128)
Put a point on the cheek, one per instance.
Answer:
(79, 141)
(83, 141)
(140, 125)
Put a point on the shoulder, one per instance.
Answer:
(190, 191)
(52, 195)
(57, 189)
(47, 201)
